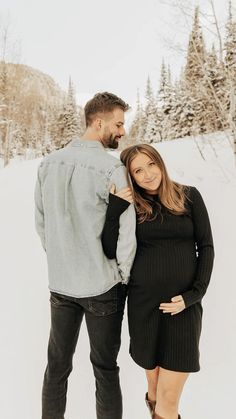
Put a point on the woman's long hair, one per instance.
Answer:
(171, 194)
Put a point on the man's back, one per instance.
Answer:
(71, 201)
(71, 198)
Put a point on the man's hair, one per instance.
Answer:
(102, 103)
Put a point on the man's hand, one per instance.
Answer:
(176, 306)
(124, 193)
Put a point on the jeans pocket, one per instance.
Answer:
(55, 299)
(104, 304)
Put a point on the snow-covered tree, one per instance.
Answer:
(230, 46)
(195, 73)
(203, 99)
(69, 120)
(214, 93)
(28, 100)
(137, 129)
(152, 127)
(182, 113)
(3, 112)
(165, 100)
(230, 63)
(196, 53)
(8, 52)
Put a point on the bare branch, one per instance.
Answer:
(217, 30)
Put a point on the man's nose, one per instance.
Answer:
(122, 131)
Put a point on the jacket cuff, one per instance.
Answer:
(116, 207)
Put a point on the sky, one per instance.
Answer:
(106, 45)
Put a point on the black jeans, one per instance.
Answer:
(103, 315)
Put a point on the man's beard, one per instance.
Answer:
(111, 141)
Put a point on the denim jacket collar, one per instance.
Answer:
(87, 144)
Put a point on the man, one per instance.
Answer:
(71, 198)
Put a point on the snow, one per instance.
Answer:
(24, 308)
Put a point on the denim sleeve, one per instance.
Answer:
(39, 212)
(126, 246)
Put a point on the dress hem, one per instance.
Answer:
(163, 365)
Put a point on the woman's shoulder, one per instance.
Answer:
(192, 193)
(182, 189)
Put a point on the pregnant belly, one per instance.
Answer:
(164, 274)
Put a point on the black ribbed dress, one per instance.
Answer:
(174, 256)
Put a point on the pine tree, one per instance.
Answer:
(230, 46)
(4, 114)
(152, 128)
(46, 142)
(230, 63)
(195, 74)
(165, 99)
(182, 113)
(69, 119)
(163, 92)
(17, 148)
(196, 53)
(214, 86)
(137, 129)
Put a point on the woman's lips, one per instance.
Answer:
(150, 181)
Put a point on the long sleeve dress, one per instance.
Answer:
(174, 257)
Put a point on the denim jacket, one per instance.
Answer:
(71, 198)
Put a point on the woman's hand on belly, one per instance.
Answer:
(176, 306)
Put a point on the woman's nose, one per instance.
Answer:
(147, 174)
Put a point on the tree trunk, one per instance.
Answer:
(6, 157)
(232, 117)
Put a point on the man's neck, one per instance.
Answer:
(90, 135)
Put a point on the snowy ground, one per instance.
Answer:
(24, 309)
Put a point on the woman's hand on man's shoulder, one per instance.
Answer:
(125, 193)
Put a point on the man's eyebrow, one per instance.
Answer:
(120, 122)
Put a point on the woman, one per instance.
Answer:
(169, 277)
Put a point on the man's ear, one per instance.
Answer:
(98, 123)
